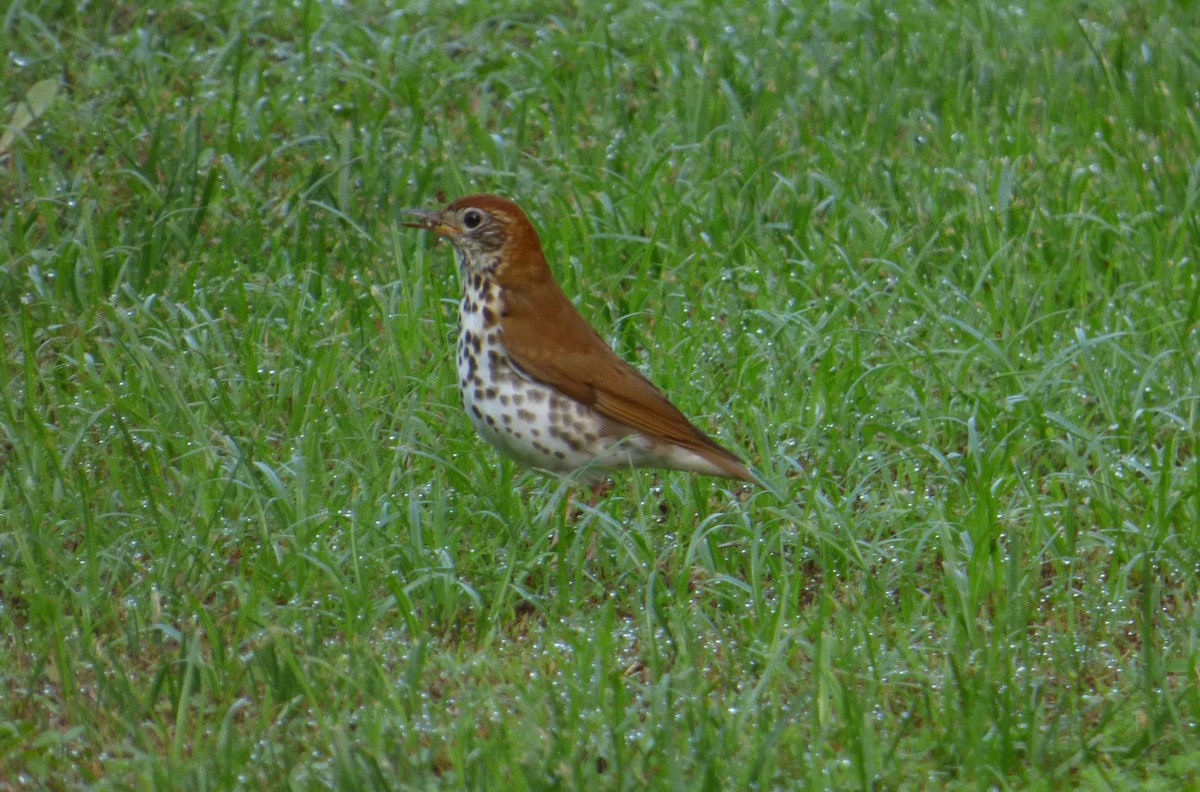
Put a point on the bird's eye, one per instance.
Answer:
(472, 218)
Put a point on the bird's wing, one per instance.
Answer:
(574, 360)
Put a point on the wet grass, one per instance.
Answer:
(933, 270)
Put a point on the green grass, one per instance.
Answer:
(932, 269)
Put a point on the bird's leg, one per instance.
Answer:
(597, 490)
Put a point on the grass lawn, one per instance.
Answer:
(932, 269)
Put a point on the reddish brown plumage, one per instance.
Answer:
(548, 340)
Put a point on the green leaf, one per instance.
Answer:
(36, 102)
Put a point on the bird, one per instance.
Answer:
(536, 380)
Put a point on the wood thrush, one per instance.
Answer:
(536, 380)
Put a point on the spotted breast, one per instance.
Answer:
(537, 382)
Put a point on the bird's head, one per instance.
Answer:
(493, 236)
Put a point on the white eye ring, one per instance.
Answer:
(472, 218)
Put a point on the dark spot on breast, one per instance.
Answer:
(526, 415)
(503, 400)
(536, 395)
(489, 318)
(490, 393)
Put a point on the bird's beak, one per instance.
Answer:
(430, 221)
